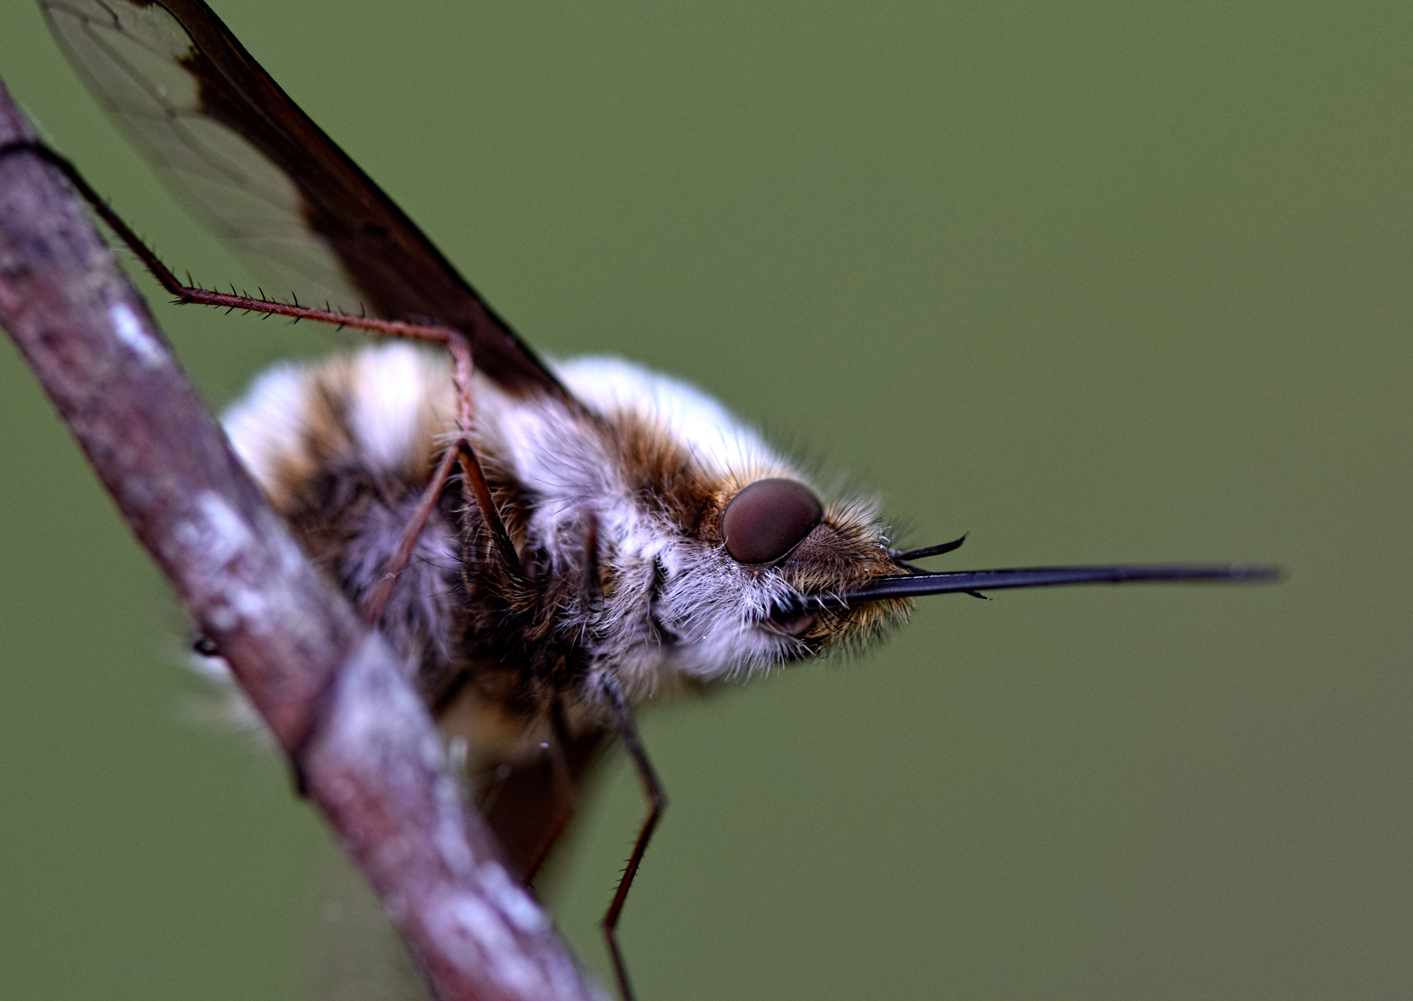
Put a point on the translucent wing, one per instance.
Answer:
(257, 170)
(357, 955)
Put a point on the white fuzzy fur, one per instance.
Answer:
(389, 381)
(717, 440)
(712, 603)
(268, 422)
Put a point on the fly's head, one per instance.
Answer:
(712, 555)
(718, 553)
(753, 576)
(781, 549)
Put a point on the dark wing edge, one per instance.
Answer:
(266, 179)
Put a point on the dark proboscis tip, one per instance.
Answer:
(971, 581)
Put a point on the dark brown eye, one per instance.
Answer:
(768, 519)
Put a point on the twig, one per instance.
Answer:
(373, 765)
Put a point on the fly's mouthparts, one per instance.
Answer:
(916, 585)
(792, 617)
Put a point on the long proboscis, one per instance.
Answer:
(970, 581)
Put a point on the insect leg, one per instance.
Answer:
(209, 297)
(454, 341)
(473, 483)
(376, 600)
(657, 802)
(562, 743)
(591, 596)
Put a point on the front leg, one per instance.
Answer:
(657, 802)
(187, 293)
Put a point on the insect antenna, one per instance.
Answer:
(898, 556)
(901, 558)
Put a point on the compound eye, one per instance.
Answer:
(768, 519)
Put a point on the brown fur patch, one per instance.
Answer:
(664, 475)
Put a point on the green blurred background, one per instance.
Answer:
(1092, 281)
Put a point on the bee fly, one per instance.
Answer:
(614, 536)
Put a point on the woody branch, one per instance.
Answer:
(328, 687)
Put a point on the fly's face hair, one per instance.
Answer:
(663, 542)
